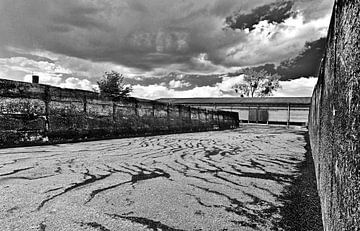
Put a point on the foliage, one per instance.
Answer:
(257, 83)
(113, 83)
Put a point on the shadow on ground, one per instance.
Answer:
(302, 210)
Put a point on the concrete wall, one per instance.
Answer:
(334, 122)
(35, 114)
(298, 115)
(281, 115)
(274, 110)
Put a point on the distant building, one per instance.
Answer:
(274, 110)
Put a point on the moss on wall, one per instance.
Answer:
(334, 121)
(36, 114)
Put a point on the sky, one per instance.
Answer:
(164, 48)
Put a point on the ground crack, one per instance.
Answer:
(95, 225)
(151, 224)
(90, 180)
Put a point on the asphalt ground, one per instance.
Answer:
(251, 178)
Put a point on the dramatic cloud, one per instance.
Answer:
(138, 34)
(57, 70)
(145, 34)
(72, 43)
(273, 43)
(275, 12)
(178, 81)
(307, 63)
(301, 87)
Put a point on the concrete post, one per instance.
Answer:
(153, 117)
(288, 119)
(136, 109)
(189, 111)
(113, 111)
(168, 116)
(180, 118)
(153, 110)
(47, 100)
(180, 109)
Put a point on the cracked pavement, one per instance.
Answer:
(220, 180)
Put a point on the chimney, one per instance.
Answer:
(35, 79)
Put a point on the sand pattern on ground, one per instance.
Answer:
(221, 180)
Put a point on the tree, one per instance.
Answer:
(257, 83)
(113, 83)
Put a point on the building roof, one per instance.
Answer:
(239, 100)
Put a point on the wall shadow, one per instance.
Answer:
(302, 210)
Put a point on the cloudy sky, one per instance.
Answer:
(165, 48)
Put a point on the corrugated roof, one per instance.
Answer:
(239, 100)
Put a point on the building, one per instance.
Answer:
(274, 110)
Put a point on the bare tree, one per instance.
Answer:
(257, 83)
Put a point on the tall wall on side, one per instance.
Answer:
(35, 114)
(334, 121)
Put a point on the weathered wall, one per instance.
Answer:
(35, 113)
(280, 110)
(335, 120)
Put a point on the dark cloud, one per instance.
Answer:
(6, 53)
(269, 68)
(78, 17)
(133, 33)
(306, 63)
(222, 8)
(149, 35)
(274, 12)
(190, 80)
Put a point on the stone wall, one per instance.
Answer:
(35, 114)
(334, 122)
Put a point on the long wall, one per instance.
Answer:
(272, 110)
(334, 121)
(36, 113)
